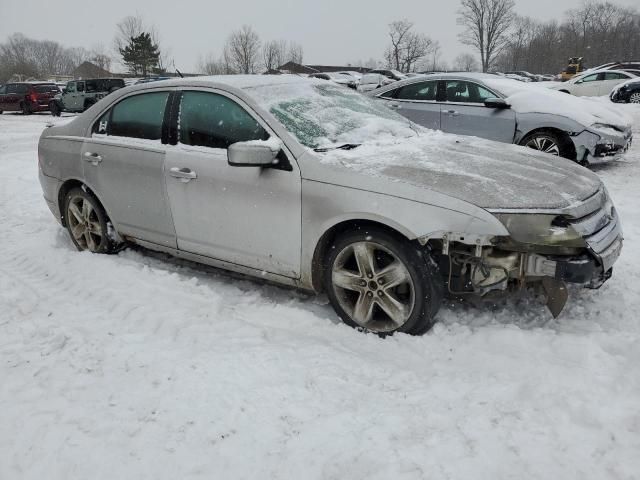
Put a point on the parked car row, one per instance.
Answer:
(27, 97)
(313, 185)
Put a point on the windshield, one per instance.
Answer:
(322, 115)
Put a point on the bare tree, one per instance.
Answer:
(210, 65)
(486, 25)
(406, 48)
(242, 50)
(274, 54)
(294, 53)
(100, 57)
(466, 62)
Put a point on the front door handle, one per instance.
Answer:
(394, 105)
(185, 174)
(453, 113)
(94, 158)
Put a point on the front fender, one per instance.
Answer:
(528, 122)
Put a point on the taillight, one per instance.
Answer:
(34, 98)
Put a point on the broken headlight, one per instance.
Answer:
(541, 229)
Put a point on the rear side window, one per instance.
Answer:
(212, 120)
(467, 92)
(418, 91)
(139, 116)
(614, 76)
(3, 90)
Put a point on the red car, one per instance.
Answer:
(27, 97)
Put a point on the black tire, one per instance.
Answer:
(55, 109)
(424, 295)
(26, 108)
(97, 231)
(550, 142)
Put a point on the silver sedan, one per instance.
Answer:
(505, 110)
(315, 186)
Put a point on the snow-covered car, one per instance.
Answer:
(628, 92)
(340, 79)
(312, 185)
(504, 110)
(372, 81)
(524, 75)
(594, 84)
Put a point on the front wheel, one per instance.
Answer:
(87, 222)
(634, 98)
(382, 283)
(549, 142)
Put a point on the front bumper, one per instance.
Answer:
(599, 147)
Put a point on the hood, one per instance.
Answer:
(486, 174)
(537, 98)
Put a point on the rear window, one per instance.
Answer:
(45, 88)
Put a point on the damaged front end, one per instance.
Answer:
(548, 249)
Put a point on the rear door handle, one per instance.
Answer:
(185, 174)
(453, 113)
(92, 157)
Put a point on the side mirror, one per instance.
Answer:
(496, 103)
(253, 154)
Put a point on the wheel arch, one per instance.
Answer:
(556, 131)
(66, 187)
(343, 226)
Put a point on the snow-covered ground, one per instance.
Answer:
(138, 366)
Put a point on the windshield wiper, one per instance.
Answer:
(346, 146)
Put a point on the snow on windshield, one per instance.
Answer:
(319, 114)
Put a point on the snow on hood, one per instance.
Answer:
(487, 174)
(525, 98)
(617, 88)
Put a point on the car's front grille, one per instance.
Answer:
(600, 228)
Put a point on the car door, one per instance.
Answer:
(417, 102)
(3, 94)
(12, 97)
(69, 96)
(248, 216)
(587, 86)
(124, 164)
(463, 112)
(610, 80)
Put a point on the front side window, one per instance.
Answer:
(418, 91)
(467, 92)
(3, 90)
(139, 116)
(12, 88)
(589, 78)
(212, 120)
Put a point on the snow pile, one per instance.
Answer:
(526, 99)
(138, 366)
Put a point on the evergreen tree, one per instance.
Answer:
(141, 55)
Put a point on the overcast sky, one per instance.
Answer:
(330, 31)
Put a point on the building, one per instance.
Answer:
(292, 67)
(90, 70)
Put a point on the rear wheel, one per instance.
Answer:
(55, 109)
(87, 222)
(382, 283)
(634, 98)
(26, 108)
(549, 142)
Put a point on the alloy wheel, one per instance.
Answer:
(373, 286)
(84, 224)
(544, 144)
(634, 98)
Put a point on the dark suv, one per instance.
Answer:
(79, 95)
(27, 97)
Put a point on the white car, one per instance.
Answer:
(371, 81)
(594, 84)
